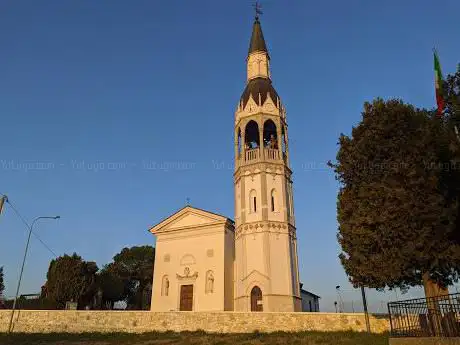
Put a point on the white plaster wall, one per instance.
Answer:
(228, 266)
(254, 248)
(279, 266)
(275, 182)
(252, 182)
(196, 244)
(237, 204)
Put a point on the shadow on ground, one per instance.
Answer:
(196, 338)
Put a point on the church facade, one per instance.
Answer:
(208, 262)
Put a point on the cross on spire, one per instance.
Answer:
(258, 9)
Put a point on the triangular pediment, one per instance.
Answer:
(188, 218)
(256, 275)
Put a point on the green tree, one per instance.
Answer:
(134, 266)
(111, 287)
(451, 89)
(396, 214)
(2, 284)
(70, 278)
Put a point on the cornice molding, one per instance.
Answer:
(262, 167)
(276, 227)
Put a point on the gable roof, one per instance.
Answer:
(302, 291)
(178, 221)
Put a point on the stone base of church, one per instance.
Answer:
(271, 303)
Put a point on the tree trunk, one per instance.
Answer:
(140, 296)
(432, 291)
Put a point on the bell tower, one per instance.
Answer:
(266, 266)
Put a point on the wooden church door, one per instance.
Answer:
(256, 299)
(186, 298)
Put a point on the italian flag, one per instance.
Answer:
(438, 84)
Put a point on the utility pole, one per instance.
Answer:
(341, 305)
(366, 314)
(2, 202)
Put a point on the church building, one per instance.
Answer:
(208, 262)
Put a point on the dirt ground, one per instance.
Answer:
(197, 338)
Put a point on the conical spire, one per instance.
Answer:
(257, 39)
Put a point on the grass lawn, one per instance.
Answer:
(198, 338)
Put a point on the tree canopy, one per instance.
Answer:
(396, 211)
(451, 88)
(111, 286)
(70, 278)
(128, 278)
(134, 266)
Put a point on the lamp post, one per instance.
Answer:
(22, 267)
(341, 305)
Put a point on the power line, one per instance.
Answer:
(28, 226)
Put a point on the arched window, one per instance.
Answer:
(251, 135)
(165, 286)
(252, 201)
(270, 135)
(256, 299)
(273, 200)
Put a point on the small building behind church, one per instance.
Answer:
(310, 301)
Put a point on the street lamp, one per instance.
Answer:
(22, 267)
(341, 305)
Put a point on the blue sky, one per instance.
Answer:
(112, 113)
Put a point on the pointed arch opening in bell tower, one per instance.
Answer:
(270, 138)
(252, 141)
(270, 135)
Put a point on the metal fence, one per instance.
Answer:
(426, 317)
